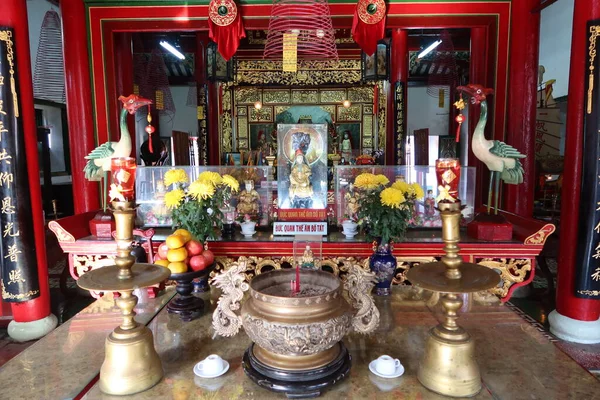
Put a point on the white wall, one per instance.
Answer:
(555, 44)
(424, 112)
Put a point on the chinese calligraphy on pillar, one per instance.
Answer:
(19, 279)
(587, 283)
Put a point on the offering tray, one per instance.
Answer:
(105, 279)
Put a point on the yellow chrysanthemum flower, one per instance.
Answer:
(201, 189)
(174, 198)
(382, 179)
(175, 176)
(230, 181)
(418, 190)
(366, 181)
(392, 197)
(401, 186)
(210, 177)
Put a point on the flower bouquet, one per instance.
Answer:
(386, 210)
(196, 206)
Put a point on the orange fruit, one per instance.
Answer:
(175, 241)
(185, 234)
(177, 267)
(177, 255)
(162, 263)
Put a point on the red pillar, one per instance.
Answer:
(525, 38)
(14, 14)
(566, 303)
(398, 73)
(478, 74)
(124, 77)
(79, 103)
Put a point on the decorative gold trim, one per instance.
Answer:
(595, 32)
(226, 120)
(6, 36)
(511, 270)
(310, 73)
(539, 238)
(61, 233)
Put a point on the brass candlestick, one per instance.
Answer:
(131, 364)
(448, 366)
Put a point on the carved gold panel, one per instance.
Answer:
(310, 73)
(352, 113)
(245, 95)
(280, 109)
(305, 96)
(367, 142)
(330, 109)
(361, 94)
(511, 271)
(265, 114)
(276, 96)
(367, 130)
(368, 109)
(333, 96)
(242, 127)
(226, 121)
(243, 144)
(241, 111)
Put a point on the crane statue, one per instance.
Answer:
(501, 158)
(98, 164)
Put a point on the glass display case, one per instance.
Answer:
(301, 168)
(308, 251)
(425, 212)
(253, 199)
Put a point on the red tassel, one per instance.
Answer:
(150, 143)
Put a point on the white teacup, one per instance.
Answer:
(212, 365)
(386, 365)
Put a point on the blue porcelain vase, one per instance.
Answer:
(383, 265)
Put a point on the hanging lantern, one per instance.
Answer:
(217, 69)
(377, 66)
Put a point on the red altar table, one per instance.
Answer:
(514, 260)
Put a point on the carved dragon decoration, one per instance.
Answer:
(233, 285)
(359, 283)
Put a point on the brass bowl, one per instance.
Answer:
(296, 332)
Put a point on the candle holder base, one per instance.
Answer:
(448, 366)
(131, 364)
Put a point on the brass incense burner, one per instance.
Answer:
(296, 335)
(448, 366)
(131, 364)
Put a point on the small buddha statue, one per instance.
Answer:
(301, 190)
(346, 146)
(248, 201)
(308, 259)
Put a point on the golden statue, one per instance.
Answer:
(248, 201)
(301, 190)
(351, 203)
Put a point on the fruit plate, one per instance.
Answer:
(191, 275)
(184, 303)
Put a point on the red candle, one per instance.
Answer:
(297, 278)
(123, 176)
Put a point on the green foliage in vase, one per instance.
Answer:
(386, 211)
(196, 206)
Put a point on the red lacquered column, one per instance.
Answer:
(79, 103)
(398, 73)
(520, 132)
(477, 74)
(32, 319)
(574, 319)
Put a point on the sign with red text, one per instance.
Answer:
(299, 228)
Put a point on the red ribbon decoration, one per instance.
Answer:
(368, 29)
(227, 37)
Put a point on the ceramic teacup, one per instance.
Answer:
(386, 365)
(212, 365)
